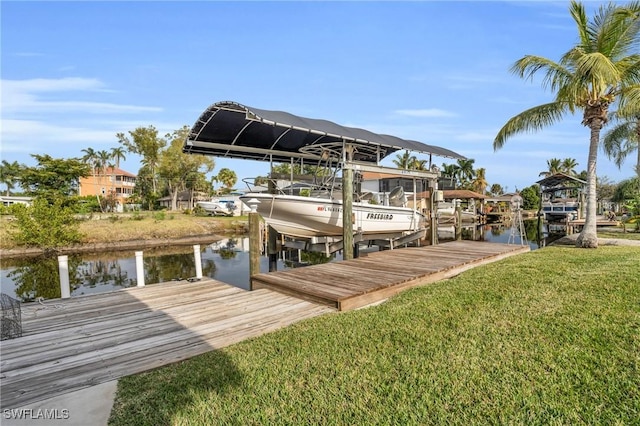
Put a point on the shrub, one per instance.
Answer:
(45, 225)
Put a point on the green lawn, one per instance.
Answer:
(547, 337)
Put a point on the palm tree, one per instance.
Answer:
(596, 72)
(91, 158)
(9, 174)
(622, 140)
(104, 163)
(117, 154)
(404, 160)
(465, 172)
(554, 165)
(496, 189)
(450, 171)
(419, 164)
(480, 182)
(228, 178)
(568, 166)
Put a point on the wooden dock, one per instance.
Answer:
(70, 344)
(355, 283)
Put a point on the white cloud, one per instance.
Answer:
(25, 97)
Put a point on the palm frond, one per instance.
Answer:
(579, 15)
(620, 141)
(556, 75)
(531, 120)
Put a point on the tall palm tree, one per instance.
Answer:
(91, 158)
(104, 164)
(554, 166)
(600, 69)
(118, 153)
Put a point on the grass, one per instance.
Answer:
(548, 337)
(141, 226)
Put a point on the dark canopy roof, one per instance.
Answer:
(560, 179)
(229, 129)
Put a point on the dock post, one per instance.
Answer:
(458, 217)
(254, 239)
(272, 248)
(198, 259)
(347, 205)
(140, 269)
(63, 268)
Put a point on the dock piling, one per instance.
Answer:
(254, 239)
(140, 269)
(198, 259)
(63, 269)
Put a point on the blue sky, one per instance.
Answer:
(76, 73)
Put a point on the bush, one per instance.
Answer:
(136, 215)
(45, 225)
(86, 204)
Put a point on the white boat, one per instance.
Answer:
(215, 208)
(560, 210)
(447, 214)
(306, 217)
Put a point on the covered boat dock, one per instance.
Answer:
(232, 130)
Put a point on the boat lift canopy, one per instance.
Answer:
(229, 129)
(560, 181)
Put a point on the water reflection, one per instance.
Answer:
(536, 233)
(29, 279)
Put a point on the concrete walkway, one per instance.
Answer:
(86, 407)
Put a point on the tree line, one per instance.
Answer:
(165, 171)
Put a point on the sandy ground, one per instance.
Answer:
(570, 240)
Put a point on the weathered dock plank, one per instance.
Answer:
(87, 340)
(355, 283)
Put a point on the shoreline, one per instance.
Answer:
(30, 252)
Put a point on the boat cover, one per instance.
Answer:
(229, 129)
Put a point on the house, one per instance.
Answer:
(185, 200)
(8, 200)
(109, 182)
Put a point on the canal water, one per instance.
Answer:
(226, 260)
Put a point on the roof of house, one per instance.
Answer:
(118, 172)
(462, 193)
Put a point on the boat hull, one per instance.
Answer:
(313, 217)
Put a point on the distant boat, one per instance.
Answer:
(447, 214)
(215, 208)
(560, 210)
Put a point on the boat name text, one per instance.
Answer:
(380, 216)
(329, 209)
